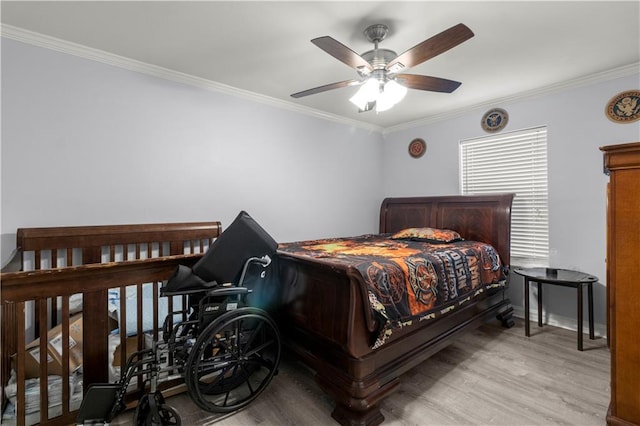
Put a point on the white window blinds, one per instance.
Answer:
(513, 162)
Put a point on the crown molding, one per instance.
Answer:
(63, 46)
(624, 71)
(79, 50)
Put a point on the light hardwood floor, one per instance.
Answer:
(492, 376)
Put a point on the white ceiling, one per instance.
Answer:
(263, 48)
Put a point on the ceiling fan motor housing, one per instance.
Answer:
(379, 58)
(376, 33)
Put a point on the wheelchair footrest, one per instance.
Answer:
(97, 405)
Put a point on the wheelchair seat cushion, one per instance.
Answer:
(184, 281)
(225, 258)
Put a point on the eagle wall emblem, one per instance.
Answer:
(494, 120)
(624, 107)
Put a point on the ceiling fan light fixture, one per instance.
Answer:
(383, 95)
(368, 92)
(392, 93)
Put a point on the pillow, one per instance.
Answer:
(427, 234)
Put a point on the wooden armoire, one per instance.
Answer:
(622, 163)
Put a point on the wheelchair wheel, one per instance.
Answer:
(168, 416)
(143, 411)
(233, 360)
(152, 411)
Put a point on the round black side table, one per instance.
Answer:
(562, 277)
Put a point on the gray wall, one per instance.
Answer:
(88, 143)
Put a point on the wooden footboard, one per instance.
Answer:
(62, 265)
(325, 316)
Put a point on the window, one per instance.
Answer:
(513, 162)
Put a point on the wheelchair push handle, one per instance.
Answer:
(263, 261)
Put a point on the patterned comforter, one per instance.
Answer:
(409, 281)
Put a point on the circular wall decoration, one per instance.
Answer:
(495, 120)
(417, 148)
(624, 107)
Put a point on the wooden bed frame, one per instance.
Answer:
(326, 321)
(86, 260)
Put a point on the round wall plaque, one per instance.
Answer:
(417, 148)
(624, 107)
(495, 120)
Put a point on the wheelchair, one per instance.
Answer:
(227, 349)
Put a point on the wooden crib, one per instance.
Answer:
(54, 267)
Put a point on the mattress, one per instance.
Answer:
(407, 280)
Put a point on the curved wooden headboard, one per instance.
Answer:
(485, 218)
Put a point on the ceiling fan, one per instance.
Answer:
(382, 83)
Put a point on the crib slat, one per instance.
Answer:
(65, 354)
(170, 305)
(21, 410)
(94, 337)
(91, 255)
(54, 300)
(122, 325)
(8, 339)
(36, 266)
(38, 259)
(69, 257)
(156, 298)
(44, 354)
(139, 332)
(177, 247)
(170, 309)
(139, 299)
(95, 348)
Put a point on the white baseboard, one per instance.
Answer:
(600, 330)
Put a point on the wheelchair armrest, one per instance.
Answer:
(180, 312)
(228, 291)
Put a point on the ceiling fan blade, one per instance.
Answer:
(326, 87)
(430, 48)
(341, 52)
(425, 82)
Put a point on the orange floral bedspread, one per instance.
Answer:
(410, 281)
